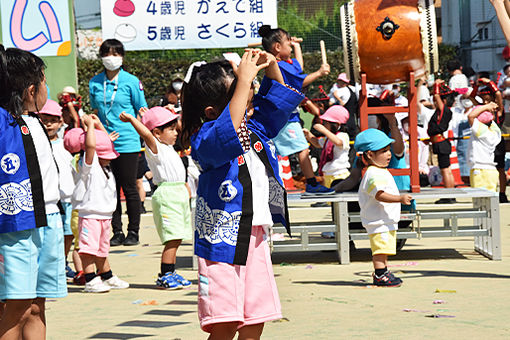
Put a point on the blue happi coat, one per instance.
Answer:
(224, 208)
(22, 204)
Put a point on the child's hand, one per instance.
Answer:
(142, 111)
(248, 68)
(126, 118)
(439, 81)
(406, 199)
(324, 70)
(113, 136)
(319, 127)
(492, 106)
(88, 121)
(294, 41)
(266, 57)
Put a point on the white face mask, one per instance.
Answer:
(466, 103)
(177, 85)
(112, 63)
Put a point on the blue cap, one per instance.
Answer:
(371, 140)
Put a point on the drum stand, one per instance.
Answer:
(412, 110)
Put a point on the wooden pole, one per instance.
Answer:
(323, 52)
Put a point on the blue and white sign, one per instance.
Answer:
(185, 24)
(38, 26)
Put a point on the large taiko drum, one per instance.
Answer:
(387, 39)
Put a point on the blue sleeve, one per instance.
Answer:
(292, 74)
(92, 87)
(273, 105)
(216, 143)
(137, 96)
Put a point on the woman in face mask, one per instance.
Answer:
(112, 92)
(173, 94)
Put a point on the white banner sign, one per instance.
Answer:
(180, 24)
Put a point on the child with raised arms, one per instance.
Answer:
(240, 194)
(170, 201)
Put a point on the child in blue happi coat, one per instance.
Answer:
(290, 139)
(240, 194)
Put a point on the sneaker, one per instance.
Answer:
(503, 198)
(386, 280)
(115, 283)
(96, 285)
(79, 279)
(70, 274)
(317, 190)
(117, 239)
(168, 281)
(181, 280)
(131, 239)
(328, 234)
(142, 209)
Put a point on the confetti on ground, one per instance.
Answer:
(131, 255)
(308, 266)
(439, 316)
(415, 311)
(145, 245)
(149, 303)
(281, 320)
(445, 290)
(335, 300)
(283, 264)
(404, 264)
(137, 302)
(438, 302)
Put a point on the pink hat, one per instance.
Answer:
(336, 114)
(72, 140)
(158, 116)
(343, 77)
(485, 117)
(51, 108)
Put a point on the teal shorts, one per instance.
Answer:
(171, 211)
(66, 218)
(290, 140)
(32, 262)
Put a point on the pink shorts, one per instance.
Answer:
(94, 236)
(244, 294)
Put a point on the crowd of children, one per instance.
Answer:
(66, 192)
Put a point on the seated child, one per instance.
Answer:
(379, 201)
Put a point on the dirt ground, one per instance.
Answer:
(320, 298)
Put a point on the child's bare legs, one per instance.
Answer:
(68, 242)
(77, 261)
(449, 182)
(14, 318)
(102, 264)
(35, 327)
(380, 261)
(169, 254)
(251, 332)
(306, 164)
(502, 180)
(223, 331)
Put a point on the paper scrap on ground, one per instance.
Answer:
(439, 316)
(438, 302)
(150, 303)
(308, 266)
(281, 320)
(445, 290)
(415, 311)
(404, 264)
(137, 302)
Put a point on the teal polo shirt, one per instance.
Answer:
(129, 97)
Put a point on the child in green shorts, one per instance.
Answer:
(379, 201)
(170, 202)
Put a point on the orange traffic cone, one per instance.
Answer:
(454, 162)
(286, 173)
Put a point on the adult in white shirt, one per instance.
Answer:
(458, 79)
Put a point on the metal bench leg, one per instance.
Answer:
(341, 219)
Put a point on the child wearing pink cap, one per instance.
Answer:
(51, 117)
(485, 136)
(334, 162)
(170, 202)
(94, 198)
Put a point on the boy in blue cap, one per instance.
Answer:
(379, 201)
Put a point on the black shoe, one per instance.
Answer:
(387, 280)
(446, 201)
(503, 198)
(142, 209)
(117, 239)
(131, 239)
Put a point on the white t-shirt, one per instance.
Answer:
(65, 168)
(95, 195)
(260, 190)
(166, 165)
(423, 149)
(376, 216)
(343, 93)
(483, 143)
(340, 162)
(49, 171)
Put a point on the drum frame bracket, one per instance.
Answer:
(387, 28)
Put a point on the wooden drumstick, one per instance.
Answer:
(256, 44)
(323, 52)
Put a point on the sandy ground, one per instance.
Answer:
(320, 298)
